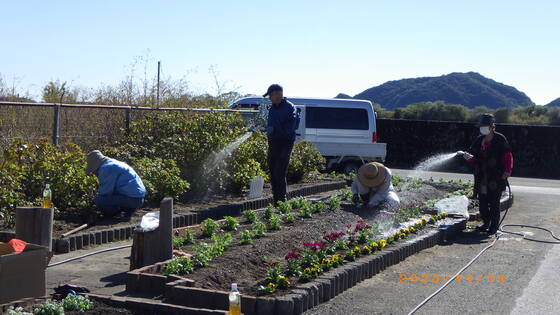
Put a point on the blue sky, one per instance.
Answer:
(312, 48)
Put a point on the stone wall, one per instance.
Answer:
(536, 149)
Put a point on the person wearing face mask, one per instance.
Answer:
(493, 160)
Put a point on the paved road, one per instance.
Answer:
(529, 268)
(103, 273)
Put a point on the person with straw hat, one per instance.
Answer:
(120, 188)
(374, 185)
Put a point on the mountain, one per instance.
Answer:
(556, 102)
(342, 95)
(469, 89)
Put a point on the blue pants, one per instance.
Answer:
(112, 205)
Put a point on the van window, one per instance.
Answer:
(336, 118)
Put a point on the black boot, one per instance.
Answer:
(482, 227)
(492, 230)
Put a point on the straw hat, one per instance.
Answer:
(94, 161)
(372, 174)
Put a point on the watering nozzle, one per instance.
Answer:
(460, 153)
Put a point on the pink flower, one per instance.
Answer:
(293, 254)
(315, 246)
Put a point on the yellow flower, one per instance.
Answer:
(366, 248)
(402, 235)
(326, 261)
(271, 285)
(412, 229)
(306, 270)
(374, 245)
(383, 243)
(406, 231)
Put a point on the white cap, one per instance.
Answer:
(234, 287)
(47, 186)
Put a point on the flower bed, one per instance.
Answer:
(325, 243)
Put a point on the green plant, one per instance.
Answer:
(346, 195)
(318, 207)
(230, 224)
(305, 211)
(305, 160)
(178, 242)
(396, 180)
(179, 266)
(340, 244)
(77, 303)
(25, 168)
(298, 203)
(269, 211)
(274, 222)
(188, 237)
(161, 177)
(290, 218)
(248, 161)
(284, 207)
(259, 229)
(273, 272)
(250, 216)
(282, 282)
(246, 237)
(208, 227)
(334, 203)
(206, 252)
(17, 311)
(49, 308)
(268, 289)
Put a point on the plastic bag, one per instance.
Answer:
(458, 205)
(150, 221)
(256, 187)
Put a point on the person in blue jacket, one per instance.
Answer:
(120, 188)
(281, 133)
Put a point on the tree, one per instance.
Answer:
(503, 115)
(56, 92)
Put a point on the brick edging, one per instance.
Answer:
(159, 307)
(305, 296)
(98, 237)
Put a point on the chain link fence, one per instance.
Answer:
(89, 126)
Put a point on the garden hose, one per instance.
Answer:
(501, 231)
(88, 254)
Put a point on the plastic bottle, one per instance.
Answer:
(234, 300)
(47, 197)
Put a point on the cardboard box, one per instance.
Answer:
(23, 275)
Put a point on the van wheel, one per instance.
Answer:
(351, 167)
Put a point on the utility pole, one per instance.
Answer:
(158, 72)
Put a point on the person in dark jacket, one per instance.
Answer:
(493, 160)
(120, 188)
(281, 133)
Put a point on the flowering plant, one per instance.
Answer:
(333, 237)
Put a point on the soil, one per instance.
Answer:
(73, 220)
(246, 264)
(101, 308)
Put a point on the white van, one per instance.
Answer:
(343, 130)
